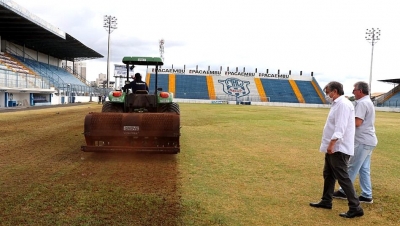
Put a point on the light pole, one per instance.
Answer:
(372, 36)
(110, 24)
(69, 93)
(161, 45)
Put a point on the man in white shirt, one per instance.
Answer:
(338, 145)
(365, 141)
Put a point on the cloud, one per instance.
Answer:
(326, 38)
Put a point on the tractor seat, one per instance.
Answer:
(141, 92)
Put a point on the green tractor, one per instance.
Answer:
(137, 121)
(125, 101)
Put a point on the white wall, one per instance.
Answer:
(2, 94)
(33, 54)
(386, 109)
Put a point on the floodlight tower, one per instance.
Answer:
(372, 36)
(161, 44)
(110, 24)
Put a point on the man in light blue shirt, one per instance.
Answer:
(365, 141)
(338, 145)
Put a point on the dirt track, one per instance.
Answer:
(40, 150)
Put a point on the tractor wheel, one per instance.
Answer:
(172, 107)
(112, 107)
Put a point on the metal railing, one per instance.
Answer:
(10, 79)
(394, 103)
(77, 75)
(45, 72)
(47, 77)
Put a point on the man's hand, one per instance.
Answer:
(331, 146)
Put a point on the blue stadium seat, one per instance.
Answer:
(279, 90)
(55, 74)
(186, 86)
(394, 101)
(162, 82)
(309, 94)
(191, 87)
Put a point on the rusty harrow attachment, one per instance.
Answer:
(142, 132)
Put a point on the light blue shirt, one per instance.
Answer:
(340, 125)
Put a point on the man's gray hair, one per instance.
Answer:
(363, 86)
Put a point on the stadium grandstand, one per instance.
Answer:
(33, 71)
(391, 98)
(223, 86)
(33, 61)
(233, 86)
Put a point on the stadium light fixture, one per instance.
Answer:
(161, 45)
(372, 36)
(110, 24)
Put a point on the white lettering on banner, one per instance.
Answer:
(247, 74)
(219, 73)
(119, 70)
(219, 101)
(119, 67)
(204, 72)
(273, 75)
(120, 73)
(169, 70)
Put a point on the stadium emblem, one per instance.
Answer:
(235, 87)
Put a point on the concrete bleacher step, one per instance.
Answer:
(56, 73)
(19, 66)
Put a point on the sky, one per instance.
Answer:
(320, 36)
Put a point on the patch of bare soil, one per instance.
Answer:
(45, 177)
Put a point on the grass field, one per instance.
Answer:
(239, 165)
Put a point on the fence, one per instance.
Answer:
(10, 79)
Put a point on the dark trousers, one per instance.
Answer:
(335, 168)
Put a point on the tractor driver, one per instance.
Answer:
(137, 84)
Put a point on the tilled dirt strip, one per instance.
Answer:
(40, 150)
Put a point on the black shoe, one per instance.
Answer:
(339, 195)
(352, 214)
(321, 205)
(365, 200)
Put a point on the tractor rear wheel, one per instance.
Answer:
(112, 107)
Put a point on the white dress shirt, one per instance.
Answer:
(340, 125)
